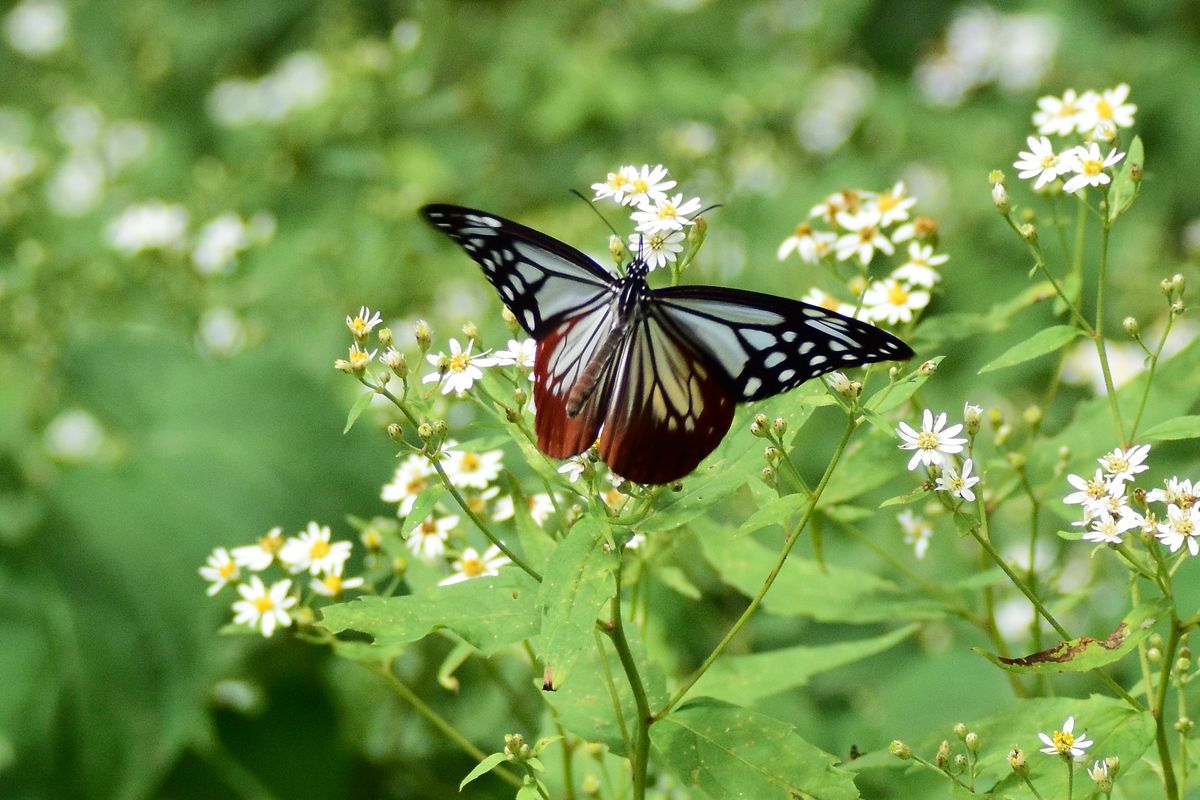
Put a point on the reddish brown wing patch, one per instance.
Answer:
(560, 435)
(668, 410)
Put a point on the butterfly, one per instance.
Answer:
(655, 373)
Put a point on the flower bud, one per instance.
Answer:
(771, 454)
(927, 368)
(616, 248)
(1182, 665)
(440, 427)
(385, 336)
(394, 431)
(520, 396)
(759, 426)
(971, 740)
(1032, 415)
(1178, 282)
(1029, 233)
(1100, 773)
(304, 616)
(943, 754)
(960, 730)
(768, 476)
(1153, 654)
(1064, 453)
(1016, 760)
(1114, 765)
(590, 786)
(1177, 307)
(1166, 286)
(1135, 172)
(1130, 324)
(779, 426)
(1184, 724)
(510, 319)
(512, 414)
(423, 335)
(396, 362)
(996, 417)
(960, 764)
(972, 418)
(1002, 433)
(471, 331)
(383, 378)
(424, 431)
(342, 365)
(900, 750)
(1000, 198)
(1184, 651)
(513, 742)
(371, 539)
(1016, 461)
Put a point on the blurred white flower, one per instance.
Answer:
(218, 244)
(260, 555)
(470, 470)
(332, 584)
(311, 550)
(428, 539)
(16, 164)
(220, 332)
(36, 28)
(411, 478)
(406, 35)
(76, 186)
(219, 569)
(520, 353)
(73, 436)
(864, 236)
(811, 245)
(78, 125)
(264, 608)
(153, 225)
(299, 82)
(1040, 162)
(127, 142)
(837, 102)
(917, 531)
(472, 565)
(1058, 116)
(1107, 109)
(919, 269)
(828, 302)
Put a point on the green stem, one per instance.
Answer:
(1150, 376)
(611, 685)
(851, 424)
(435, 719)
(616, 632)
(236, 776)
(1098, 338)
(1032, 788)
(1158, 710)
(1070, 778)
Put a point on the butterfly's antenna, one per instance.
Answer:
(592, 205)
(713, 207)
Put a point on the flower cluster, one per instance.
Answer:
(1111, 508)
(662, 220)
(935, 446)
(266, 607)
(857, 226)
(299, 82)
(1082, 122)
(158, 226)
(1065, 743)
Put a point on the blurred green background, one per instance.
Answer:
(158, 404)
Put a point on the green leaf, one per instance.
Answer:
(776, 511)
(936, 332)
(872, 459)
(536, 543)
(578, 580)
(1044, 341)
(674, 578)
(904, 499)
(732, 752)
(488, 612)
(483, 768)
(1179, 428)
(1124, 188)
(896, 394)
(746, 679)
(1085, 654)
(528, 792)
(423, 506)
(356, 410)
(805, 588)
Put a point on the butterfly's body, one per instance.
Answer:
(655, 373)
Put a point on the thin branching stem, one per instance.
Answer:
(641, 745)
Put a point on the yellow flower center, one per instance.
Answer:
(956, 483)
(1092, 167)
(333, 583)
(428, 527)
(470, 463)
(1049, 161)
(667, 211)
(616, 180)
(416, 486)
(866, 233)
(803, 230)
(459, 362)
(1063, 741)
(358, 326)
(828, 301)
(1104, 109)
(319, 549)
(887, 202)
(477, 504)
(358, 357)
(271, 543)
(1096, 490)
(228, 569)
(1117, 464)
(927, 440)
(472, 567)
(263, 603)
(897, 295)
(1184, 526)
(639, 186)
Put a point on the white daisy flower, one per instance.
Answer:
(219, 569)
(824, 300)
(470, 470)
(573, 467)
(1093, 494)
(520, 353)
(847, 200)
(1181, 526)
(932, 443)
(616, 186)
(956, 483)
(311, 550)
(1176, 492)
(1058, 116)
(1040, 162)
(332, 584)
(540, 506)
(363, 323)
(260, 555)
(666, 215)
(1108, 109)
(411, 478)
(657, 249)
(1121, 465)
(919, 269)
(462, 368)
(893, 302)
(864, 236)
(648, 185)
(472, 565)
(1064, 743)
(1088, 165)
(1106, 527)
(917, 531)
(812, 245)
(428, 539)
(264, 608)
(893, 206)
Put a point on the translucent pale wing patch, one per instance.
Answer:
(765, 344)
(562, 355)
(540, 279)
(667, 407)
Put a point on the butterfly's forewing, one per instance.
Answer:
(668, 407)
(765, 344)
(541, 280)
(562, 355)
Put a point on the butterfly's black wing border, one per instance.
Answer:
(765, 344)
(541, 280)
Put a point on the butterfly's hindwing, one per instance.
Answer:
(541, 280)
(766, 344)
(668, 407)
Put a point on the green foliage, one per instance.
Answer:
(1042, 343)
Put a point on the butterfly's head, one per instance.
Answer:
(638, 270)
